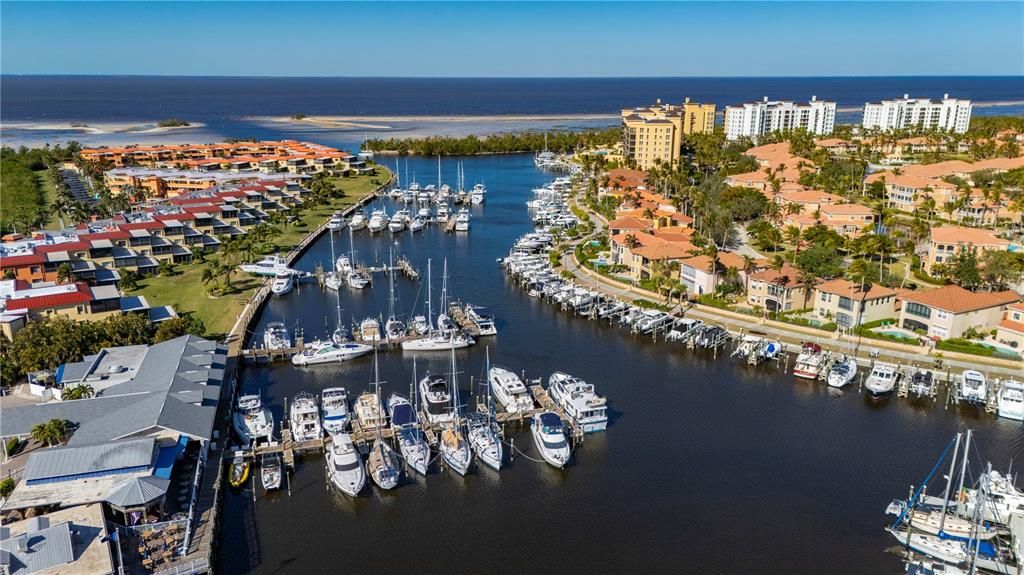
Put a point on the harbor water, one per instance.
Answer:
(707, 465)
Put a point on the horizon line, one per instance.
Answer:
(299, 77)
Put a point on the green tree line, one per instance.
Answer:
(559, 141)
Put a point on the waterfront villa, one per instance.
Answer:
(778, 289)
(948, 241)
(949, 311)
(1010, 330)
(849, 304)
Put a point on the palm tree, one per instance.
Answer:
(792, 235)
(52, 432)
(65, 273)
(80, 391)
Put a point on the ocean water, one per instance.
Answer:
(231, 107)
(708, 466)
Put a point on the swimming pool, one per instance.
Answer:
(897, 334)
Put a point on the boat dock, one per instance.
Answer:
(264, 355)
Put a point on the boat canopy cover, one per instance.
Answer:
(402, 415)
(812, 347)
(549, 419)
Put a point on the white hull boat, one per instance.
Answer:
(334, 407)
(549, 438)
(842, 373)
(251, 420)
(344, 466)
(329, 352)
(304, 417)
(509, 390)
(579, 401)
(1010, 401)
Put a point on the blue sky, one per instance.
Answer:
(513, 39)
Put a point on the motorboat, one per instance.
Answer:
(973, 387)
(411, 441)
(251, 420)
(437, 399)
(358, 221)
(357, 280)
(382, 463)
(420, 325)
(1010, 400)
(333, 281)
(549, 438)
(238, 471)
(922, 383)
(424, 213)
(394, 329)
(369, 412)
(329, 352)
(416, 224)
(397, 222)
(270, 266)
(579, 401)
(345, 466)
(485, 439)
(334, 410)
(478, 194)
(455, 450)
(304, 417)
(882, 380)
(809, 361)
(283, 283)
(336, 222)
(369, 329)
(509, 390)
(843, 372)
(276, 336)
(343, 265)
(378, 221)
(482, 319)
(438, 341)
(462, 220)
(442, 212)
(271, 470)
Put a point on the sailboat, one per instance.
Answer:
(455, 450)
(393, 327)
(483, 430)
(355, 278)
(411, 442)
(437, 340)
(382, 461)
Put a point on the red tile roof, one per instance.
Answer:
(21, 260)
(81, 295)
(956, 299)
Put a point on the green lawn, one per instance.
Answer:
(49, 196)
(186, 292)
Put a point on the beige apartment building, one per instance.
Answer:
(947, 241)
(949, 311)
(849, 304)
(655, 134)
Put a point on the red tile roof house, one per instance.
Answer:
(1010, 330)
(778, 290)
(949, 311)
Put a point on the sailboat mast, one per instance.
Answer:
(963, 470)
(444, 290)
(439, 171)
(391, 284)
(430, 320)
(949, 482)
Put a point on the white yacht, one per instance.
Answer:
(369, 412)
(882, 379)
(276, 336)
(397, 222)
(509, 390)
(437, 341)
(343, 265)
(424, 213)
(549, 438)
(1010, 401)
(411, 442)
(269, 266)
(420, 325)
(344, 466)
(283, 283)
(378, 221)
(334, 407)
(437, 400)
(336, 222)
(357, 280)
(485, 440)
(329, 352)
(416, 224)
(482, 319)
(358, 221)
(271, 471)
(442, 212)
(843, 372)
(369, 329)
(973, 387)
(251, 419)
(462, 220)
(333, 281)
(809, 361)
(478, 194)
(579, 401)
(304, 417)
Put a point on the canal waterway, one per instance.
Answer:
(707, 465)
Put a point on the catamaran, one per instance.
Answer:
(344, 466)
(579, 401)
(509, 390)
(843, 372)
(304, 417)
(334, 406)
(252, 421)
(549, 438)
(275, 336)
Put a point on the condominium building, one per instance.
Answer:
(655, 134)
(755, 119)
(950, 114)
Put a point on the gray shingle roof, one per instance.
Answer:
(176, 387)
(66, 461)
(138, 491)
